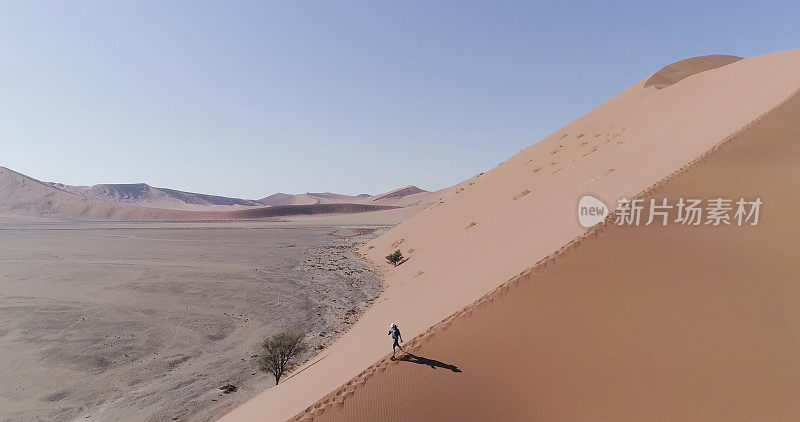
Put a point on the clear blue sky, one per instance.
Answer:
(250, 98)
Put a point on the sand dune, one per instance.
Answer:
(24, 198)
(403, 197)
(144, 195)
(494, 227)
(411, 196)
(678, 71)
(278, 199)
(627, 323)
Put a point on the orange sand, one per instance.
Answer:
(638, 324)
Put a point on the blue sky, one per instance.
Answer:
(251, 98)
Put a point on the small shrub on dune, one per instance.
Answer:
(395, 257)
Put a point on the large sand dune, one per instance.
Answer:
(628, 323)
(497, 225)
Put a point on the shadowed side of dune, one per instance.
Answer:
(627, 323)
(678, 71)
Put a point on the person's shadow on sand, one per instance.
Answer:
(419, 360)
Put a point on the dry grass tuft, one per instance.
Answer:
(521, 194)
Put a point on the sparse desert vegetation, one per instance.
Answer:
(594, 179)
(521, 194)
(281, 352)
(395, 258)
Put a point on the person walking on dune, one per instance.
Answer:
(397, 337)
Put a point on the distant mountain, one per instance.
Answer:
(142, 194)
(23, 198)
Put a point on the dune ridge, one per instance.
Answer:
(671, 74)
(322, 409)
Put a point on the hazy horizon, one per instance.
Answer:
(249, 99)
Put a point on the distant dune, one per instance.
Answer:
(406, 196)
(311, 198)
(516, 312)
(142, 194)
(399, 193)
(23, 198)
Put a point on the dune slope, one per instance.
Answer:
(495, 226)
(628, 323)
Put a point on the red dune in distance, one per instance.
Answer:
(513, 311)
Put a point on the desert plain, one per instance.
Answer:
(146, 321)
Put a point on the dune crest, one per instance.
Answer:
(680, 70)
